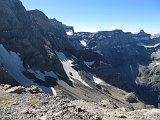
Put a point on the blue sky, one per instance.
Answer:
(97, 15)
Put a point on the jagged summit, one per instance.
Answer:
(69, 30)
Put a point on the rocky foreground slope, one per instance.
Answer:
(31, 104)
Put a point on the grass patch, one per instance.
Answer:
(34, 102)
(4, 107)
(24, 112)
(4, 100)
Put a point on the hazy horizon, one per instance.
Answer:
(102, 15)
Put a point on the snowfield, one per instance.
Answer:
(83, 42)
(96, 79)
(71, 73)
(14, 66)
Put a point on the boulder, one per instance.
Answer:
(17, 89)
(131, 98)
(34, 90)
(6, 86)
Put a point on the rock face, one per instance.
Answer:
(131, 98)
(17, 90)
(34, 90)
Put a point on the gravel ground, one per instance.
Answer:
(32, 104)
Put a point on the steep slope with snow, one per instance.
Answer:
(14, 66)
(28, 41)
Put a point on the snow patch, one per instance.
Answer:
(152, 46)
(38, 74)
(89, 63)
(70, 61)
(99, 52)
(69, 33)
(94, 78)
(54, 91)
(83, 42)
(149, 46)
(97, 80)
(155, 63)
(14, 66)
(71, 73)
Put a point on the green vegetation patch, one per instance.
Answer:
(4, 100)
(34, 102)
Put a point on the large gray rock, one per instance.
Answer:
(131, 98)
(16, 89)
(34, 90)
